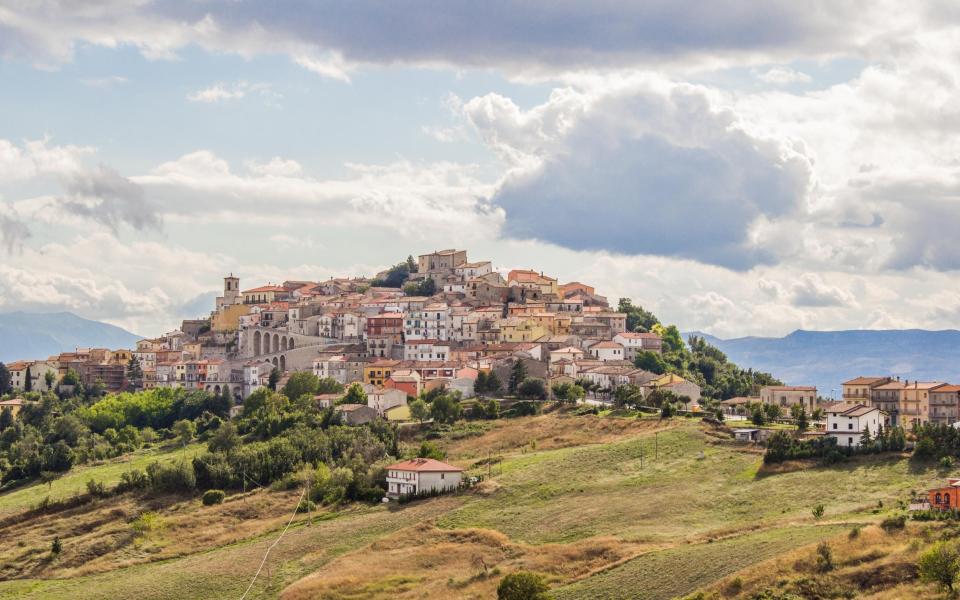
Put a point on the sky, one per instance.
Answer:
(739, 168)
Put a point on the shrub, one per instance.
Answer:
(146, 523)
(891, 524)
(855, 532)
(132, 480)
(522, 585)
(57, 546)
(824, 558)
(940, 564)
(524, 408)
(817, 511)
(96, 488)
(211, 497)
(175, 477)
(306, 506)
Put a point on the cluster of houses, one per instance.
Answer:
(480, 320)
(865, 404)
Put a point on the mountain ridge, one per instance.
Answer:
(827, 358)
(29, 335)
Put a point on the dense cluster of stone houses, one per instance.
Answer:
(352, 331)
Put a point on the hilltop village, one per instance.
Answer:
(436, 321)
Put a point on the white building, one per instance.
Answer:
(383, 400)
(847, 424)
(635, 342)
(607, 351)
(426, 350)
(420, 476)
(431, 322)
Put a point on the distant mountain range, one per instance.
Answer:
(39, 335)
(828, 358)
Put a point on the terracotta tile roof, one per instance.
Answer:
(865, 380)
(423, 465)
(266, 288)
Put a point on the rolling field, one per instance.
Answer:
(75, 480)
(651, 510)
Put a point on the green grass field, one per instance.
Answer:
(681, 570)
(573, 493)
(75, 480)
(700, 501)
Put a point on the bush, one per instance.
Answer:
(96, 488)
(522, 585)
(524, 408)
(211, 497)
(132, 480)
(306, 506)
(940, 564)
(57, 546)
(824, 558)
(176, 478)
(817, 511)
(891, 524)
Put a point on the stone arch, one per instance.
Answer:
(290, 344)
(283, 344)
(216, 389)
(266, 343)
(283, 363)
(256, 343)
(276, 342)
(274, 361)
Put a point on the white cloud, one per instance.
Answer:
(221, 92)
(783, 76)
(276, 167)
(104, 82)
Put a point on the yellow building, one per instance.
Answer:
(228, 318)
(377, 372)
(517, 329)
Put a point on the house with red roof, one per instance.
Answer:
(421, 476)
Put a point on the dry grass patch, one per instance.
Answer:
(461, 563)
(548, 431)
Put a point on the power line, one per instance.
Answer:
(273, 545)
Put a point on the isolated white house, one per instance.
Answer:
(847, 424)
(421, 475)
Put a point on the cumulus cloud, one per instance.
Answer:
(276, 167)
(643, 168)
(110, 199)
(811, 290)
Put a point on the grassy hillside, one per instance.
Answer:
(589, 516)
(75, 480)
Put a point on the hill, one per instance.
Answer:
(579, 499)
(827, 358)
(39, 335)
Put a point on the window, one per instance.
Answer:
(849, 441)
(849, 425)
(946, 499)
(938, 498)
(834, 425)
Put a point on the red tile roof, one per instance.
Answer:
(423, 465)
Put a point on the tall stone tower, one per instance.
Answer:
(231, 290)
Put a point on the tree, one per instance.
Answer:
(445, 409)
(523, 585)
(480, 384)
(28, 381)
(638, 319)
(627, 395)
(329, 385)
(49, 378)
(494, 385)
(532, 388)
(800, 415)
(184, 430)
(650, 361)
(518, 372)
(355, 395)
(758, 416)
(300, 383)
(419, 411)
(274, 379)
(6, 418)
(940, 564)
(135, 372)
(224, 439)
(411, 264)
(431, 450)
(4, 379)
